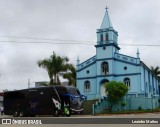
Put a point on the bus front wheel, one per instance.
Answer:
(56, 113)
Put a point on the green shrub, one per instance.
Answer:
(123, 104)
(139, 108)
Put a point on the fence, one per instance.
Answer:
(132, 103)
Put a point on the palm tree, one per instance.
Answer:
(54, 66)
(60, 65)
(71, 75)
(47, 64)
(155, 70)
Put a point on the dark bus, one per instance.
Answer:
(51, 100)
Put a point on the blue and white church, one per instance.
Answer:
(108, 65)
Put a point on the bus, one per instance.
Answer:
(49, 100)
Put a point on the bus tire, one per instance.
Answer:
(16, 114)
(33, 115)
(21, 114)
(68, 115)
(56, 113)
(81, 113)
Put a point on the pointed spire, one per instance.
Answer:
(106, 23)
(137, 53)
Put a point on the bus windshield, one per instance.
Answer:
(73, 91)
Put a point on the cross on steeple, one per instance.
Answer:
(106, 8)
(106, 23)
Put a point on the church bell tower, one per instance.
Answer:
(107, 39)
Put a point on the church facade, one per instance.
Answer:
(108, 65)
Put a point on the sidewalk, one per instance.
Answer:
(5, 116)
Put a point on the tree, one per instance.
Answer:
(115, 92)
(54, 66)
(60, 65)
(155, 70)
(47, 64)
(71, 75)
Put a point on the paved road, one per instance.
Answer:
(148, 115)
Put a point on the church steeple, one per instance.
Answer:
(107, 39)
(106, 23)
(106, 34)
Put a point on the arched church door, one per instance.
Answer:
(102, 87)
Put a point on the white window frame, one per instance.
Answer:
(105, 68)
(127, 81)
(87, 86)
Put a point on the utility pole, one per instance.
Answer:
(28, 83)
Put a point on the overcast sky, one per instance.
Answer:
(137, 22)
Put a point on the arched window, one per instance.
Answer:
(87, 86)
(127, 82)
(107, 37)
(101, 37)
(105, 68)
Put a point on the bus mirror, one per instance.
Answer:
(83, 98)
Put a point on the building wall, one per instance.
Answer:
(149, 81)
(92, 72)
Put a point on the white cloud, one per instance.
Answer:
(136, 22)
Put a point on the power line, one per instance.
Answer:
(139, 45)
(23, 42)
(45, 39)
(60, 41)
(80, 43)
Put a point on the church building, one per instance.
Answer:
(108, 65)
